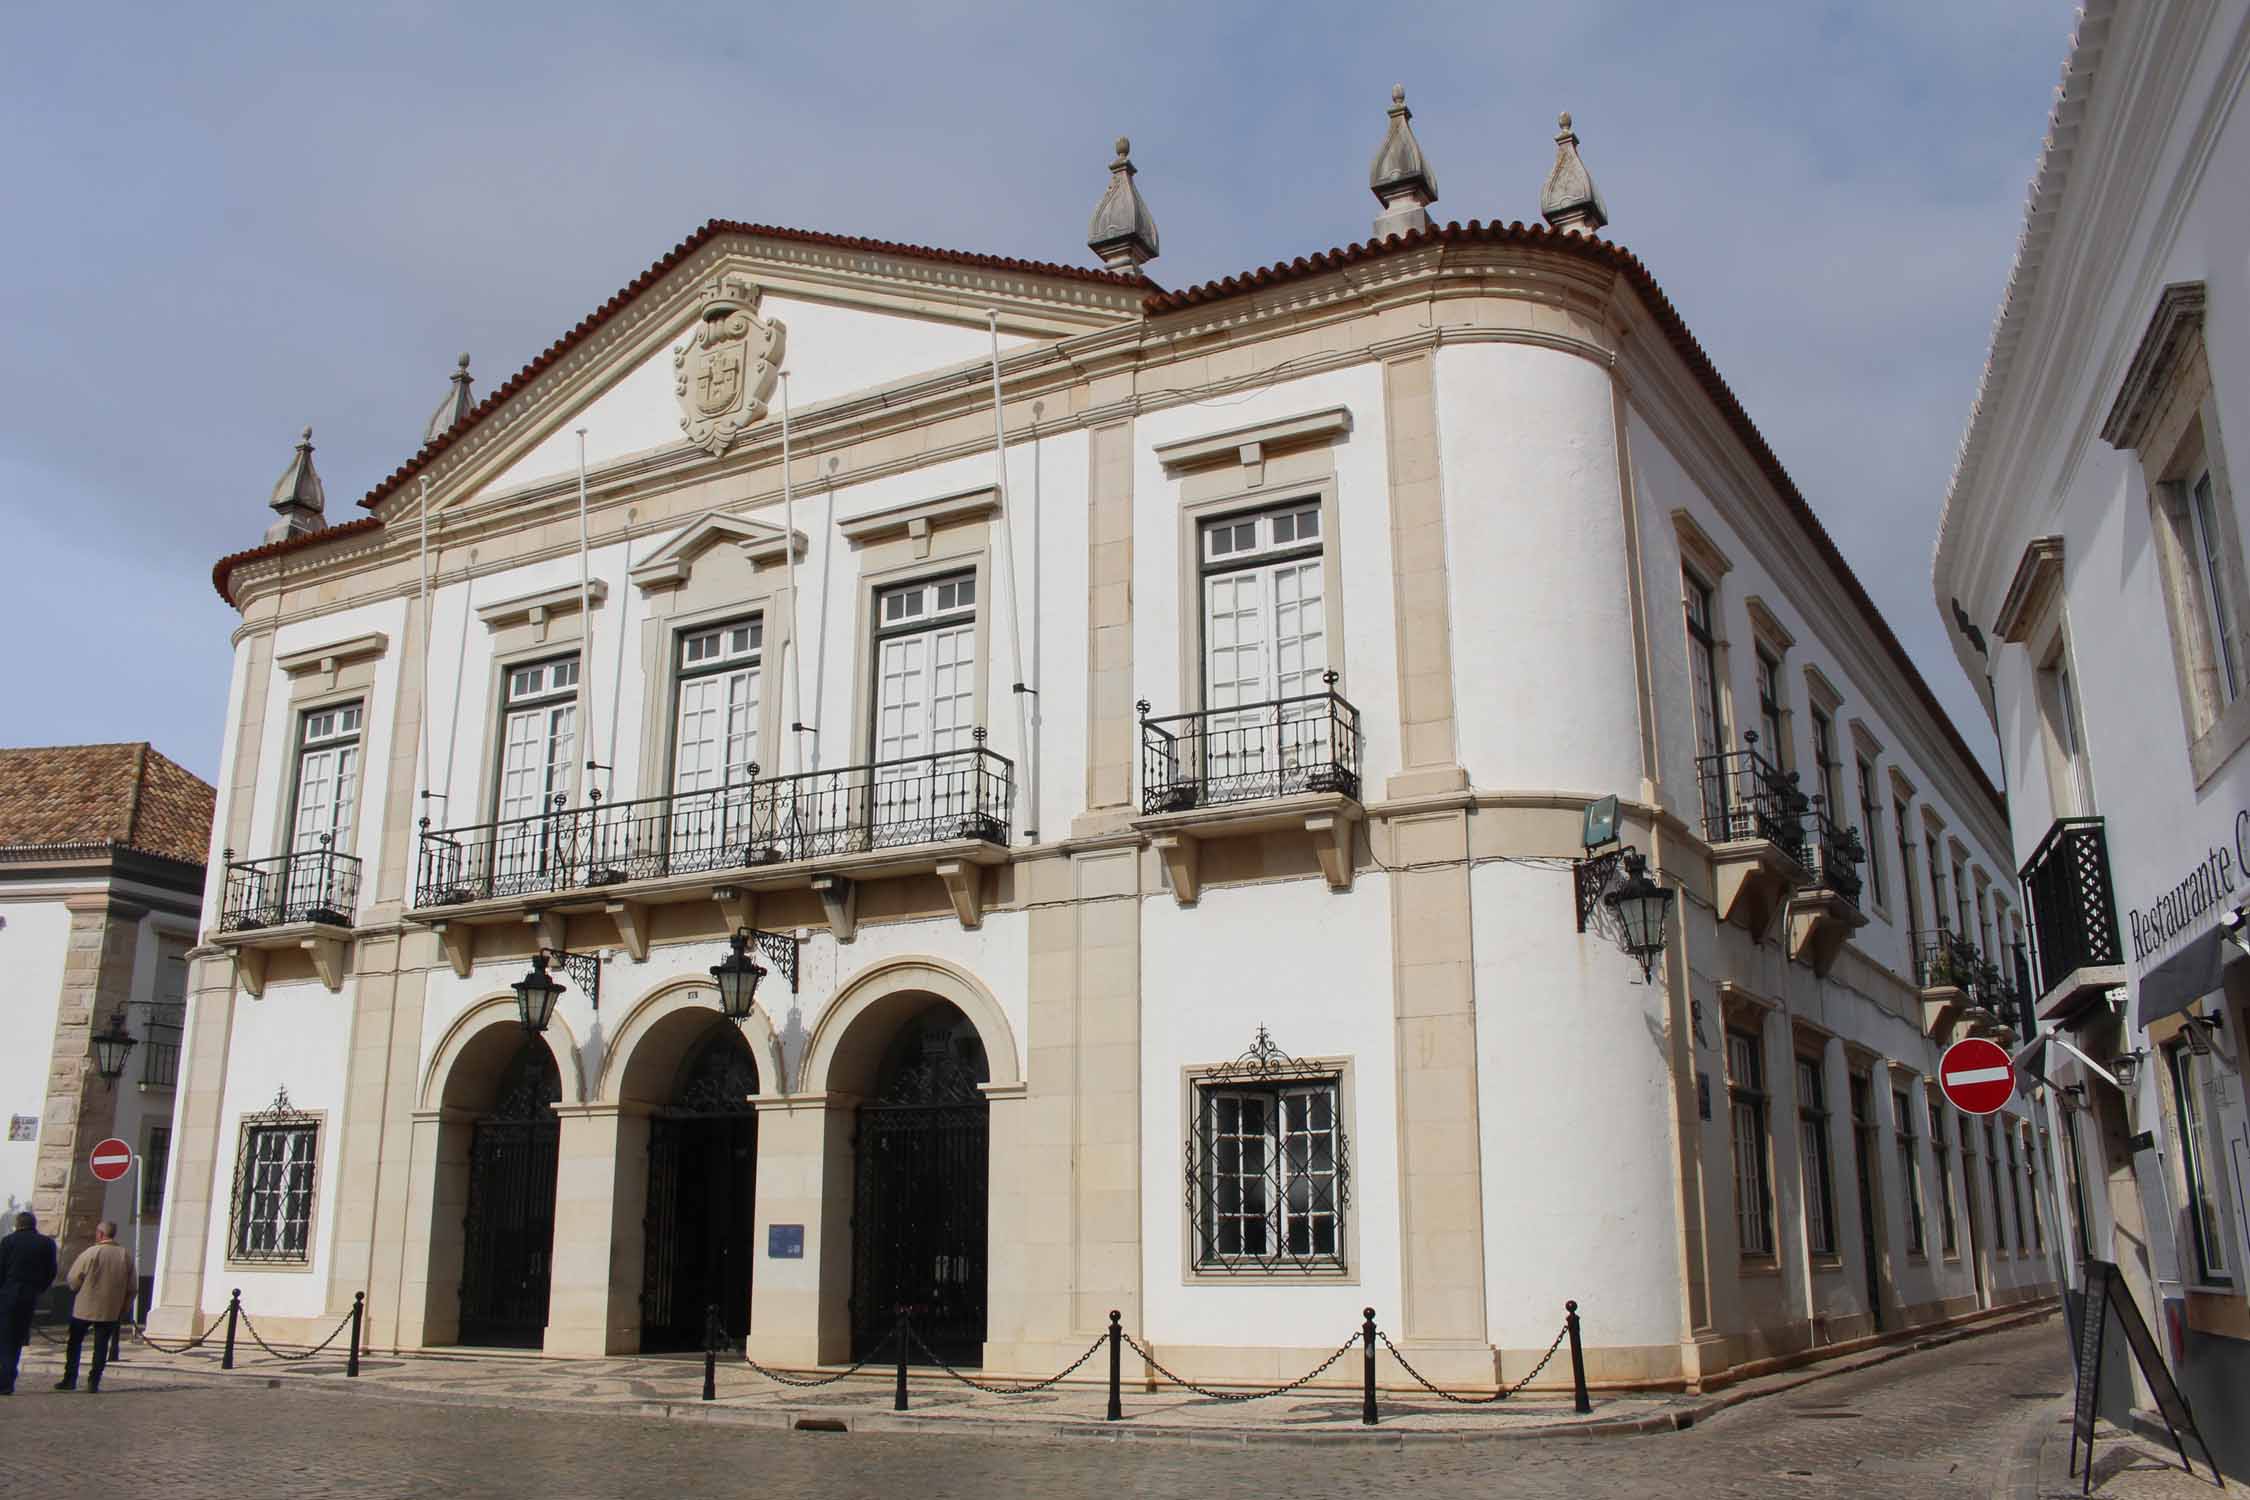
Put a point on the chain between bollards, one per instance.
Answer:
(1579, 1402)
(359, 1318)
(898, 1397)
(234, 1316)
(1116, 1359)
(1367, 1368)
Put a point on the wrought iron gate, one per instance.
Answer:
(508, 1235)
(702, 1166)
(918, 1213)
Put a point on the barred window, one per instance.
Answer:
(155, 1164)
(273, 1186)
(1812, 1131)
(1992, 1164)
(1268, 1174)
(1746, 1095)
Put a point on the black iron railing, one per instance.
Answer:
(955, 794)
(1746, 797)
(1947, 960)
(1309, 743)
(1836, 853)
(2073, 907)
(311, 885)
(160, 1064)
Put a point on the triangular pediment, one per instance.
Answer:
(668, 566)
(857, 322)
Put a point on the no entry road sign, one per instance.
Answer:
(1977, 1077)
(111, 1159)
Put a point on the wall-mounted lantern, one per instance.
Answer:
(112, 1047)
(736, 976)
(1615, 876)
(538, 990)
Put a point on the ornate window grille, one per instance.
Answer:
(1268, 1166)
(271, 1221)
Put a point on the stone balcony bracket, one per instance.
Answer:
(1752, 881)
(1942, 1005)
(1329, 818)
(1821, 920)
(253, 950)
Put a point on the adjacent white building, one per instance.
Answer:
(101, 875)
(2091, 561)
(1157, 801)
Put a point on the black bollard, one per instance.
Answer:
(711, 1335)
(1116, 1348)
(1367, 1369)
(359, 1317)
(1580, 1403)
(234, 1315)
(898, 1336)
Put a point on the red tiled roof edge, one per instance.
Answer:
(1618, 258)
(222, 571)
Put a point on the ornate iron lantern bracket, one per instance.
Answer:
(584, 969)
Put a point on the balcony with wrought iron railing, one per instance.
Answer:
(2075, 948)
(304, 901)
(160, 1062)
(917, 814)
(1955, 982)
(309, 885)
(1824, 910)
(1290, 762)
(1754, 821)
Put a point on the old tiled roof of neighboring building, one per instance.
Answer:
(124, 796)
(1159, 302)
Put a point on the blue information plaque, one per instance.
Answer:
(785, 1242)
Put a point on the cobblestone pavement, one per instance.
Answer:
(1960, 1420)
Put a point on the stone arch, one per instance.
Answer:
(650, 1043)
(465, 1066)
(843, 1053)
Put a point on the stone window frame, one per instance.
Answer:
(1197, 1079)
(518, 641)
(301, 709)
(962, 541)
(1942, 1157)
(2167, 414)
(1219, 495)
(1704, 564)
(1867, 758)
(1744, 1017)
(1824, 704)
(1811, 1051)
(2189, 1174)
(661, 742)
(1913, 1192)
(280, 1115)
(1771, 645)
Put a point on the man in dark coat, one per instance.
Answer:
(27, 1268)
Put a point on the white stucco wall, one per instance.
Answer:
(34, 938)
(1328, 996)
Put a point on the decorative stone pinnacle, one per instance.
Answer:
(1570, 200)
(297, 497)
(1123, 232)
(1401, 178)
(458, 403)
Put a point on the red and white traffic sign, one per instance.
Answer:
(1977, 1076)
(111, 1159)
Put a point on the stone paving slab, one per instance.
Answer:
(2127, 1466)
(671, 1387)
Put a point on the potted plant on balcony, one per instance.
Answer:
(1176, 796)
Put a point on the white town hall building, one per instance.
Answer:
(1161, 842)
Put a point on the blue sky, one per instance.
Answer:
(229, 222)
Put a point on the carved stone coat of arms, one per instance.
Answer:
(725, 372)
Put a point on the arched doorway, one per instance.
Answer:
(920, 1189)
(702, 1175)
(508, 1234)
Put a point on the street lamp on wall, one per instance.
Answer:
(112, 1047)
(736, 976)
(538, 990)
(1643, 910)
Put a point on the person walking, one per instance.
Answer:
(27, 1269)
(103, 1278)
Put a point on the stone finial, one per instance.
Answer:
(1569, 201)
(1123, 233)
(1401, 178)
(298, 500)
(456, 405)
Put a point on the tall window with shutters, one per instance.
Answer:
(1949, 1228)
(1747, 1111)
(538, 768)
(1909, 1170)
(1703, 665)
(1265, 641)
(1812, 1133)
(925, 702)
(1871, 819)
(715, 740)
(327, 789)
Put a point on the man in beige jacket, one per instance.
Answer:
(104, 1280)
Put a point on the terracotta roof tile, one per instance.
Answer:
(126, 795)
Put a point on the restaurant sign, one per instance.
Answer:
(2182, 909)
